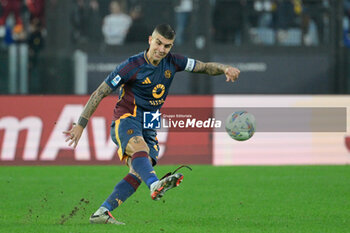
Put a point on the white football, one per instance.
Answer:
(240, 125)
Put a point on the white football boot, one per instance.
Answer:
(159, 187)
(104, 218)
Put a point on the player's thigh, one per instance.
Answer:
(122, 130)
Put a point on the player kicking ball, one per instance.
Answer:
(144, 81)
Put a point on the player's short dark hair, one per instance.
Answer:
(166, 31)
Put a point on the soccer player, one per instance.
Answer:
(144, 81)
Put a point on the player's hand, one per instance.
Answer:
(74, 135)
(231, 74)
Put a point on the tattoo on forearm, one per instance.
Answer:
(102, 91)
(211, 68)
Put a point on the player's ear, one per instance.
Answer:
(149, 40)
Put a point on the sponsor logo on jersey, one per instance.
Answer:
(156, 102)
(158, 91)
(147, 81)
(151, 120)
(116, 80)
(167, 74)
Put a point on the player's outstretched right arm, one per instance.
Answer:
(76, 131)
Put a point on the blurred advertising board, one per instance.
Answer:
(291, 130)
(31, 132)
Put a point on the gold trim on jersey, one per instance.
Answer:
(145, 56)
(123, 93)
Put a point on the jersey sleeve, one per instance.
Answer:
(120, 75)
(183, 63)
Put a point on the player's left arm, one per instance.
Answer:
(213, 68)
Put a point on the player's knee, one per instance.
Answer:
(136, 144)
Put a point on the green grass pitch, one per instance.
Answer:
(210, 199)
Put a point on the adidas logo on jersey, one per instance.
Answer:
(147, 81)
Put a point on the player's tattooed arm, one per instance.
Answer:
(76, 131)
(213, 68)
(102, 91)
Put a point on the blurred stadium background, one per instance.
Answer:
(281, 46)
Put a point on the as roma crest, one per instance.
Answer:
(167, 73)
